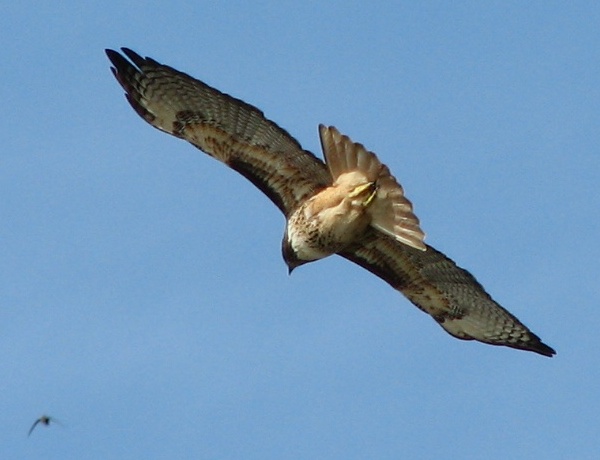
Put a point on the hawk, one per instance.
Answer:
(349, 205)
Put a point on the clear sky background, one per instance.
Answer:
(143, 299)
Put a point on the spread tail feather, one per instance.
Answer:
(391, 212)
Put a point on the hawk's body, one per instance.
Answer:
(363, 193)
(351, 206)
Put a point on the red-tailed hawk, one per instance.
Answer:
(351, 205)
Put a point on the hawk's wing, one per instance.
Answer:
(226, 128)
(450, 294)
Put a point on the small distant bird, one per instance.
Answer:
(44, 420)
(350, 204)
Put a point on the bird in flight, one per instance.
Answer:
(349, 205)
(44, 420)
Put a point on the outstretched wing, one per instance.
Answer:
(226, 128)
(450, 294)
(33, 427)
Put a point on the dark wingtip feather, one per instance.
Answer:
(531, 342)
(541, 348)
(134, 57)
(115, 58)
(119, 62)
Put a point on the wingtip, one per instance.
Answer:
(531, 342)
(534, 343)
(116, 56)
(129, 52)
(544, 350)
(112, 55)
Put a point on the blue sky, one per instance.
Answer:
(144, 302)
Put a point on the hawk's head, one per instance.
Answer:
(289, 255)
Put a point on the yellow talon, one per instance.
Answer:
(371, 196)
(369, 186)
